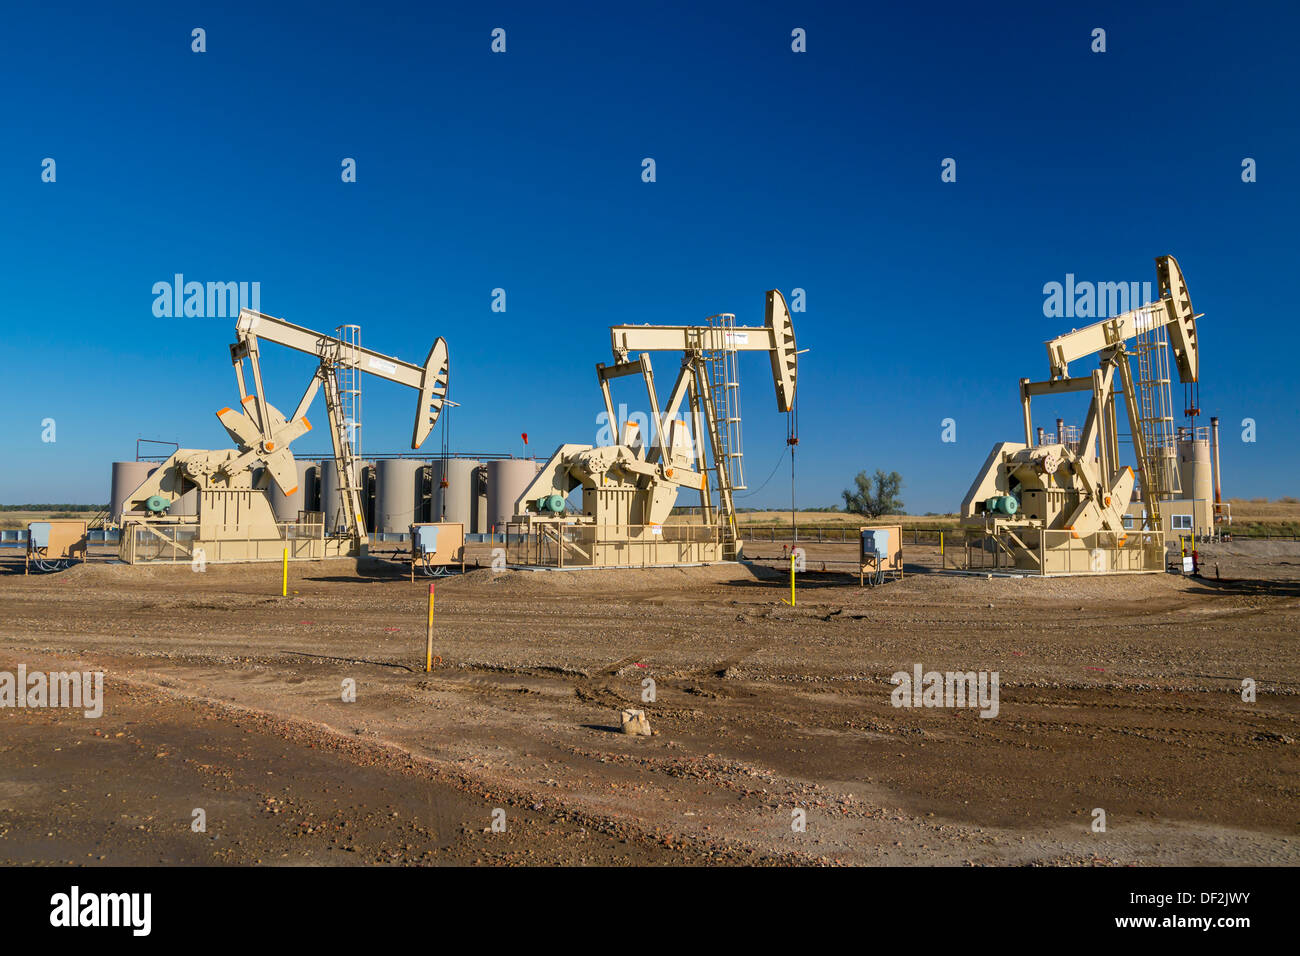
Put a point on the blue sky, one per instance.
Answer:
(522, 171)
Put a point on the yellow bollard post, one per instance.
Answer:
(284, 576)
(792, 578)
(428, 638)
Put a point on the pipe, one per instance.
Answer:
(1060, 431)
(1041, 436)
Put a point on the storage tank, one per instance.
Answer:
(455, 501)
(126, 477)
(287, 507)
(506, 480)
(1196, 471)
(397, 495)
(331, 497)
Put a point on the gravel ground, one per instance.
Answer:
(1118, 693)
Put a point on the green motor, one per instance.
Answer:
(551, 504)
(1002, 504)
(157, 504)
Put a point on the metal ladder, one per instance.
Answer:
(1155, 405)
(721, 466)
(349, 382)
(344, 461)
(724, 379)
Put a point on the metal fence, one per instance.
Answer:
(564, 545)
(918, 535)
(837, 533)
(180, 543)
(17, 537)
(1059, 552)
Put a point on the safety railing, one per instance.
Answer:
(560, 544)
(831, 534)
(1055, 552)
(157, 543)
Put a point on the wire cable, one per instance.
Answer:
(750, 494)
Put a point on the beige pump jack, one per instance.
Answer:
(629, 488)
(1059, 507)
(234, 520)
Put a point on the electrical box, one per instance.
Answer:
(54, 544)
(876, 541)
(880, 553)
(426, 538)
(436, 547)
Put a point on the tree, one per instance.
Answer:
(875, 496)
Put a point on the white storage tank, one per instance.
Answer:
(127, 476)
(1196, 474)
(398, 495)
(506, 480)
(1195, 469)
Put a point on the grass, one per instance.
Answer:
(14, 520)
(1260, 529)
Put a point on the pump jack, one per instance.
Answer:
(629, 489)
(235, 521)
(1042, 505)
